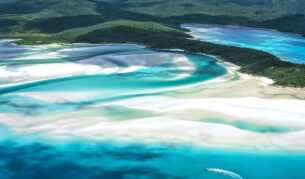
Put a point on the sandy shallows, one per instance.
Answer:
(242, 112)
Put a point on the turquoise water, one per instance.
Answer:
(157, 72)
(34, 156)
(289, 47)
(146, 78)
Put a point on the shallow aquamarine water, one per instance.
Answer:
(289, 47)
(156, 71)
(35, 155)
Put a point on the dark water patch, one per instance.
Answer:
(28, 109)
(32, 107)
(35, 107)
(34, 156)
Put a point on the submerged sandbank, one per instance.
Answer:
(188, 99)
(217, 115)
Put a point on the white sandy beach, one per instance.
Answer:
(184, 116)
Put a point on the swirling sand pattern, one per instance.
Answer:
(124, 111)
(109, 70)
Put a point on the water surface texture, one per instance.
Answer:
(72, 111)
(34, 156)
(288, 47)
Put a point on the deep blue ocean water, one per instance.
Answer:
(289, 47)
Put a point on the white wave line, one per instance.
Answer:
(225, 172)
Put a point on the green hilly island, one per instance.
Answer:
(156, 24)
(152, 89)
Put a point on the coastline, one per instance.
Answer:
(168, 115)
(259, 62)
(126, 89)
(232, 66)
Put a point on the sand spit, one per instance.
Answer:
(157, 129)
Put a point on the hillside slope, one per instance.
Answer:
(54, 16)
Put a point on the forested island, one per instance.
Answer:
(128, 89)
(156, 24)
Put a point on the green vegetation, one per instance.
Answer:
(252, 61)
(53, 16)
(32, 38)
(120, 31)
(215, 7)
(156, 23)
